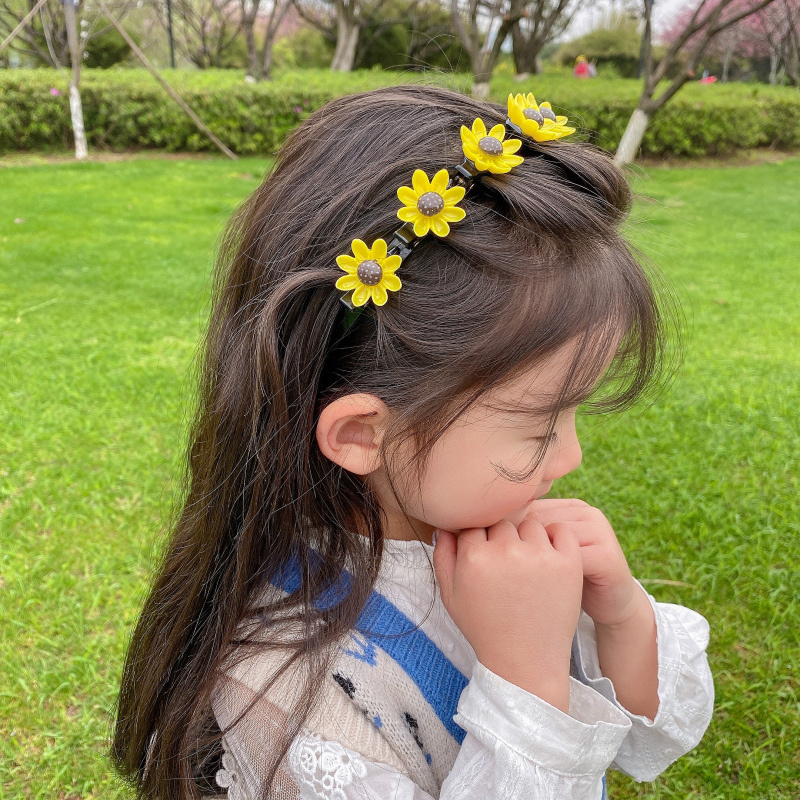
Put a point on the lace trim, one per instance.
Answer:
(228, 776)
(322, 768)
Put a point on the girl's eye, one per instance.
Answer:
(548, 440)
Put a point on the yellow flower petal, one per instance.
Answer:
(347, 263)
(515, 112)
(472, 153)
(391, 263)
(453, 195)
(532, 101)
(545, 135)
(392, 282)
(439, 182)
(478, 128)
(378, 249)
(422, 225)
(360, 251)
(468, 137)
(361, 295)
(408, 214)
(347, 282)
(420, 182)
(407, 196)
(439, 226)
(498, 132)
(379, 295)
(498, 167)
(545, 105)
(511, 146)
(453, 214)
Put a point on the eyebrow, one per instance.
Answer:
(529, 413)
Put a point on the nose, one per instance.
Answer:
(567, 455)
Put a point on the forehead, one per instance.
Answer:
(537, 390)
(544, 379)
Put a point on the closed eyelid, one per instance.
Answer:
(553, 437)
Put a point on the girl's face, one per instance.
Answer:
(462, 487)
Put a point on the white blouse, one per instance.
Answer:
(516, 746)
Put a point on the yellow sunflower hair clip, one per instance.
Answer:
(431, 204)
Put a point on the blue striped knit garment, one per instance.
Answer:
(398, 678)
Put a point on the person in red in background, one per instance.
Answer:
(581, 69)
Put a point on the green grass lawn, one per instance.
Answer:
(104, 279)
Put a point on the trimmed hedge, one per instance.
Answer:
(126, 109)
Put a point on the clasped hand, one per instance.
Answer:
(516, 593)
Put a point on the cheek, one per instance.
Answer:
(463, 490)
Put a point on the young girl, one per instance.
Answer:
(305, 636)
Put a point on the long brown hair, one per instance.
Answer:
(537, 262)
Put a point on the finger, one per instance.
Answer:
(444, 562)
(469, 536)
(559, 511)
(564, 539)
(531, 530)
(547, 504)
(504, 529)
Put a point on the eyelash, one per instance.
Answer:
(549, 440)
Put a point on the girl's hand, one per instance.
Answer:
(610, 595)
(516, 597)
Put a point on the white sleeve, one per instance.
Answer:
(516, 747)
(685, 690)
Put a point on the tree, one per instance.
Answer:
(342, 22)
(775, 33)
(44, 39)
(205, 31)
(708, 19)
(541, 21)
(433, 43)
(260, 59)
(498, 17)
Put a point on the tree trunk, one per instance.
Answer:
(726, 62)
(253, 62)
(792, 58)
(632, 138)
(346, 43)
(267, 63)
(75, 107)
(76, 112)
(480, 89)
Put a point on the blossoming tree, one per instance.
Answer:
(708, 19)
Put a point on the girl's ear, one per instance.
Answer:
(350, 429)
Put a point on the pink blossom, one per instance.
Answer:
(55, 92)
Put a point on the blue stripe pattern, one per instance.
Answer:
(437, 678)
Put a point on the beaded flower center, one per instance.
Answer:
(369, 272)
(430, 203)
(546, 112)
(491, 146)
(534, 114)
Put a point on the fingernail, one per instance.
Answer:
(436, 530)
